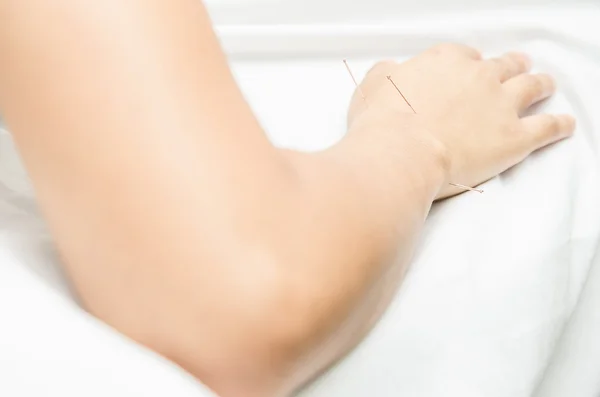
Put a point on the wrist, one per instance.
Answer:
(398, 154)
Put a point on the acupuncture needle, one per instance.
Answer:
(457, 185)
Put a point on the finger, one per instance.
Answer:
(525, 90)
(457, 49)
(510, 65)
(544, 129)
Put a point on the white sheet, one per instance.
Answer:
(502, 298)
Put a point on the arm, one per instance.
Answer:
(179, 223)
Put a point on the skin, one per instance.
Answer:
(254, 268)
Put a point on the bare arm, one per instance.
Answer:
(179, 223)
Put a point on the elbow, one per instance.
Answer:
(248, 338)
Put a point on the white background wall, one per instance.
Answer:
(349, 11)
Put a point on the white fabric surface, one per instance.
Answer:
(503, 298)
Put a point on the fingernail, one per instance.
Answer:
(550, 83)
(569, 124)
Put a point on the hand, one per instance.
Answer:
(472, 107)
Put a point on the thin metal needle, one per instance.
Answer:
(402, 95)
(458, 185)
(362, 94)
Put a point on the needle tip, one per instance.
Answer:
(463, 187)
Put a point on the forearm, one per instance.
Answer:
(363, 205)
(179, 223)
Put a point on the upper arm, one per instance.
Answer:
(148, 164)
(122, 111)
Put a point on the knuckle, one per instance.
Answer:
(535, 85)
(554, 124)
(455, 50)
(493, 63)
(521, 63)
(513, 64)
(446, 49)
(550, 125)
(382, 66)
(488, 71)
(518, 61)
(531, 89)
